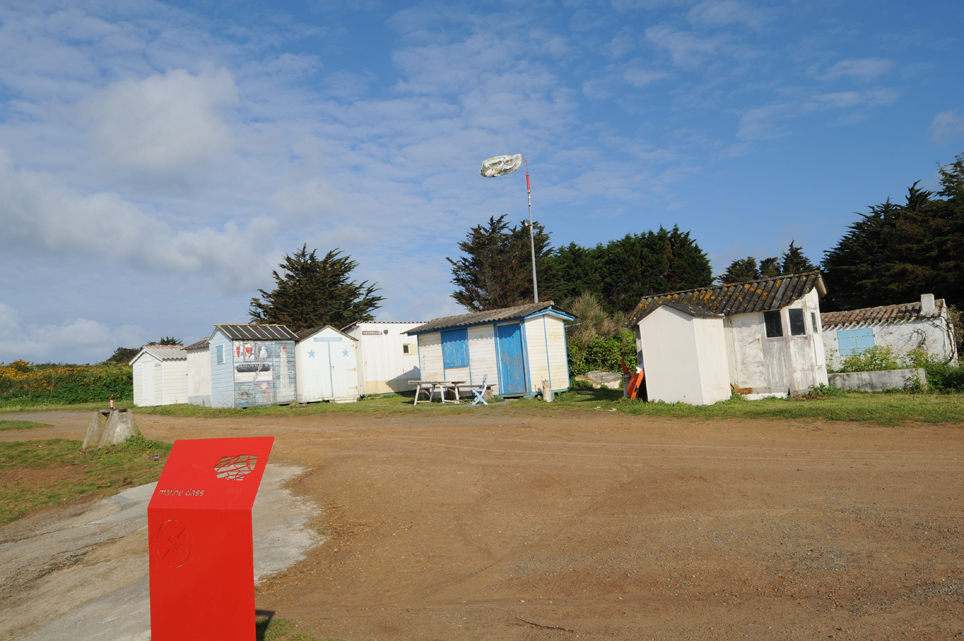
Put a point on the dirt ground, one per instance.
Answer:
(509, 525)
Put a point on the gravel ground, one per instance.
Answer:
(504, 524)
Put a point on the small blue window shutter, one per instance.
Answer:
(865, 340)
(855, 341)
(455, 348)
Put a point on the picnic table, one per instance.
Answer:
(431, 387)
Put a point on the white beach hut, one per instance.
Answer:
(199, 373)
(684, 355)
(326, 361)
(388, 356)
(160, 375)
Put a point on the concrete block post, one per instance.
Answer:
(95, 429)
(120, 427)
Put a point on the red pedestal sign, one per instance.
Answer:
(201, 554)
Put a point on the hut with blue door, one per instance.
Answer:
(516, 349)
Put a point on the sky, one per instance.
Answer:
(158, 159)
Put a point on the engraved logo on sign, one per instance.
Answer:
(173, 543)
(235, 468)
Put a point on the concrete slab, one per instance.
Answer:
(82, 575)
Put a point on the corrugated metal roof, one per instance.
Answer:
(308, 333)
(490, 316)
(201, 344)
(883, 314)
(163, 352)
(738, 298)
(692, 310)
(258, 332)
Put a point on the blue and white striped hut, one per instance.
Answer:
(517, 348)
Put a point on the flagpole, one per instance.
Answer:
(532, 238)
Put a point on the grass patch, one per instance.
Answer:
(64, 407)
(269, 628)
(40, 474)
(887, 408)
(826, 403)
(19, 425)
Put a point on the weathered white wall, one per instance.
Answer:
(546, 350)
(430, 357)
(175, 382)
(385, 367)
(780, 364)
(143, 371)
(222, 374)
(199, 377)
(881, 380)
(482, 356)
(901, 336)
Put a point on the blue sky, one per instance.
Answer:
(158, 159)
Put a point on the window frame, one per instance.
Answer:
(801, 321)
(767, 316)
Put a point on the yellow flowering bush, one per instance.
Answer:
(22, 383)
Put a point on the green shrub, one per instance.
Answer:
(941, 376)
(874, 359)
(602, 354)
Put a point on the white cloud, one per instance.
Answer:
(39, 216)
(687, 49)
(865, 69)
(946, 126)
(82, 339)
(726, 12)
(164, 128)
(638, 77)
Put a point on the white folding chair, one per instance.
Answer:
(479, 391)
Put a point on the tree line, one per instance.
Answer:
(891, 254)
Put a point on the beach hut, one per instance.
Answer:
(684, 351)
(160, 375)
(252, 365)
(518, 349)
(198, 373)
(771, 330)
(388, 356)
(326, 362)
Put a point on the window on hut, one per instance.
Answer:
(798, 327)
(773, 323)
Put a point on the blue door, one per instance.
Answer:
(512, 371)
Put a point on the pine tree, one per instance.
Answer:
(740, 270)
(655, 262)
(895, 253)
(496, 269)
(770, 267)
(794, 262)
(312, 292)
